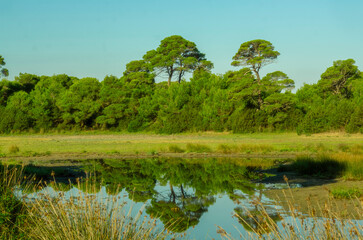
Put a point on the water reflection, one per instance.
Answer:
(176, 191)
(186, 196)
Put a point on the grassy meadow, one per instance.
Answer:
(141, 143)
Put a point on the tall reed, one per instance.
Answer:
(85, 216)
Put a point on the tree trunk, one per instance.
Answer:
(180, 76)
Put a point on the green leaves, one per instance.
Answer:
(337, 78)
(175, 55)
(80, 104)
(255, 54)
(3, 71)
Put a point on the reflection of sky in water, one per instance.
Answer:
(218, 214)
(217, 210)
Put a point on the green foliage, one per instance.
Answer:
(239, 101)
(13, 212)
(175, 149)
(176, 55)
(3, 71)
(256, 54)
(337, 79)
(80, 103)
(14, 149)
(27, 81)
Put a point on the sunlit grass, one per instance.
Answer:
(106, 142)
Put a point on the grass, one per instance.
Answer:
(13, 149)
(84, 216)
(198, 148)
(175, 149)
(13, 214)
(346, 193)
(106, 142)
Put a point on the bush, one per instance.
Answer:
(175, 149)
(13, 149)
(199, 148)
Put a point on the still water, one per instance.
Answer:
(200, 195)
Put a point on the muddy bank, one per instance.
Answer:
(314, 193)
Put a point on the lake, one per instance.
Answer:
(202, 198)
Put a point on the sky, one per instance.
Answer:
(89, 38)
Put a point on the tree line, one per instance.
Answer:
(238, 101)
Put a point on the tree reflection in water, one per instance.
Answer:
(178, 191)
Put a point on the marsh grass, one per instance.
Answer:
(13, 214)
(175, 149)
(259, 148)
(292, 224)
(13, 149)
(86, 216)
(103, 142)
(227, 148)
(198, 148)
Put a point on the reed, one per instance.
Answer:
(321, 222)
(86, 216)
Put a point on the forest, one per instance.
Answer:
(239, 101)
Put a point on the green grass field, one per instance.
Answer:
(95, 142)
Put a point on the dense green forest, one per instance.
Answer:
(239, 101)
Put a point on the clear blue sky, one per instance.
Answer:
(97, 38)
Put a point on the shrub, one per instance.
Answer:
(175, 149)
(198, 148)
(13, 149)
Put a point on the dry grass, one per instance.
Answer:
(86, 216)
